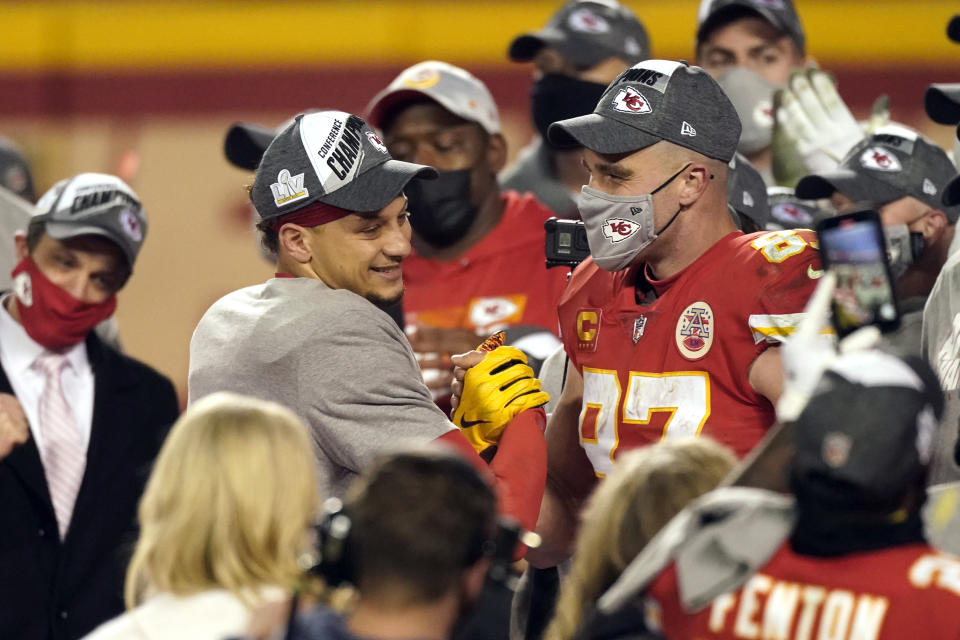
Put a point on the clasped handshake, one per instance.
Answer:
(491, 386)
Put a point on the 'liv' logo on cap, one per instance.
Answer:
(288, 188)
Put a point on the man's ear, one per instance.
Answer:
(474, 576)
(20, 245)
(695, 181)
(497, 153)
(294, 242)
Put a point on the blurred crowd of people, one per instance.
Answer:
(418, 430)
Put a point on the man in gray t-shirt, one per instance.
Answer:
(314, 338)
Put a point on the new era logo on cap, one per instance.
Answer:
(929, 188)
(629, 100)
(880, 159)
(686, 129)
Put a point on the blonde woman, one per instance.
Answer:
(646, 489)
(224, 516)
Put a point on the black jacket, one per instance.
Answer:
(60, 591)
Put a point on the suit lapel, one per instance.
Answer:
(25, 459)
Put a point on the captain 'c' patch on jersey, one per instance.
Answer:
(695, 331)
(588, 329)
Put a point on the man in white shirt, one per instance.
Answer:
(80, 424)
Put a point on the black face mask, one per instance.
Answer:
(556, 97)
(441, 211)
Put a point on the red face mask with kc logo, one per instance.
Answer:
(50, 315)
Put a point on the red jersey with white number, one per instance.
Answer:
(674, 362)
(501, 281)
(907, 591)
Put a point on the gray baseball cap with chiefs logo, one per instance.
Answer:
(94, 204)
(331, 157)
(652, 101)
(586, 32)
(779, 13)
(893, 162)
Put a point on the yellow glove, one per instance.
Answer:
(494, 392)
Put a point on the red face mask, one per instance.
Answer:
(50, 315)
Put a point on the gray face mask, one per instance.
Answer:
(620, 227)
(903, 248)
(752, 97)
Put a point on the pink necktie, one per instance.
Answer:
(64, 457)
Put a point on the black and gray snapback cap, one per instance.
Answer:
(587, 32)
(331, 157)
(652, 101)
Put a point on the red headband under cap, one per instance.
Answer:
(310, 216)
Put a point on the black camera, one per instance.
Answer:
(566, 243)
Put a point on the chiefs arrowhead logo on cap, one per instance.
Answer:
(880, 159)
(619, 229)
(588, 22)
(629, 100)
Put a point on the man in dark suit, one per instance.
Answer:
(80, 424)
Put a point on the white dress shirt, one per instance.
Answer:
(18, 352)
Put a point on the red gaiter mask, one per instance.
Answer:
(50, 315)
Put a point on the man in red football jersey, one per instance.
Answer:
(478, 263)
(669, 323)
(855, 564)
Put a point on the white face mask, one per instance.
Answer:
(620, 227)
(752, 97)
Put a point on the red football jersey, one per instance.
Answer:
(501, 281)
(908, 591)
(675, 363)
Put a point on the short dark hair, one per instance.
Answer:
(35, 231)
(418, 521)
(269, 237)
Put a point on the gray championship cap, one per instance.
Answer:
(455, 89)
(586, 32)
(787, 211)
(779, 13)
(747, 192)
(652, 101)
(891, 163)
(94, 204)
(15, 172)
(330, 157)
(867, 432)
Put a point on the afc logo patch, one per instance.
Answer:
(695, 331)
(588, 329)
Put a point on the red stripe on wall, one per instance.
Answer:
(204, 92)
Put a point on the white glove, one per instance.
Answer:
(808, 353)
(815, 119)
